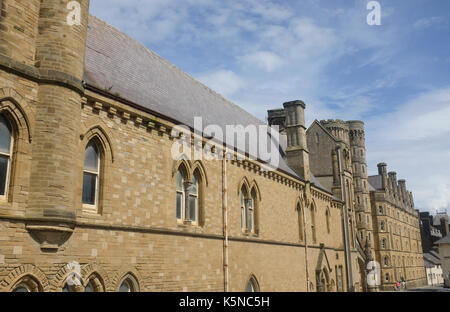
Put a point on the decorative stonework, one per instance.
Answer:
(50, 236)
(15, 277)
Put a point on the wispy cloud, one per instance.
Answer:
(224, 82)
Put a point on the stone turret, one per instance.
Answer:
(38, 43)
(297, 150)
(360, 176)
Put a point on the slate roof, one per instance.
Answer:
(120, 65)
(431, 258)
(376, 182)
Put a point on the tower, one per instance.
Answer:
(361, 183)
(297, 150)
(39, 44)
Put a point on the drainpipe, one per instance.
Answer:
(348, 259)
(225, 219)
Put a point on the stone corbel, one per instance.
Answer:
(50, 236)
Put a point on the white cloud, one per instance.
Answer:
(225, 82)
(265, 60)
(414, 142)
(428, 22)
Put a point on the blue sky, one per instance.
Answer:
(260, 53)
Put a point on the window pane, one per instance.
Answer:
(250, 220)
(179, 181)
(194, 189)
(125, 287)
(91, 158)
(20, 289)
(4, 161)
(5, 135)
(89, 188)
(89, 288)
(192, 208)
(179, 204)
(250, 287)
(243, 217)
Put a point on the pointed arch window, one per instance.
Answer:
(252, 285)
(301, 228)
(188, 196)
(194, 198)
(91, 176)
(27, 284)
(313, 224)
(249, 202)
(6, 144)
(180, 194)
(244, 197)
(327, 216)
(128, 284)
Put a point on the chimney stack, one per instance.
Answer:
(404, 192)
(393, 182)
(382, 171)
(297, 150)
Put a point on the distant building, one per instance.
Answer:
(440, 221)
(429, 233)
(444, 252)
(434, 268)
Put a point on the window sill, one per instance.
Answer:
(90, 211)
(249, 234)
(187, 224)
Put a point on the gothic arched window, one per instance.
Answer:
(128, 284)
(248, 209)
(313, 223)
(6, 143)
(301, 227)
(91, 176)
(252, 285)
(181, 199)
(327, 216)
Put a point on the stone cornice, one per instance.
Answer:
(41, 76)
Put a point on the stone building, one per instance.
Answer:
(433, 266)
(444, 253)
(92, 199)
(382, 223)
(429, 233)
(396, 226)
